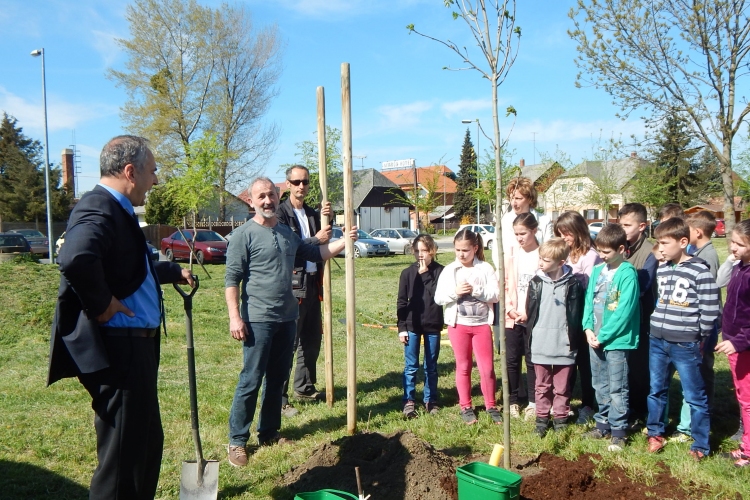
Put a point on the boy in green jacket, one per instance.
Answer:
(611, 320)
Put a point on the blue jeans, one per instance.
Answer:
(686, 358)
(267, 352)
(609, 376)
(709, 377)
(411, 366)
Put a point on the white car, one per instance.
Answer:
(595, 227)
(487, 231)
(399, 239)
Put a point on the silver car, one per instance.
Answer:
(399, 239)
(365, 246)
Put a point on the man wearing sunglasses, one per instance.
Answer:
(306, 282)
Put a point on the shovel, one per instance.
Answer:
(200, 478)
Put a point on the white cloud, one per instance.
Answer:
(104, 43)
(465, 107)
(61, 115)
(566, 130)
(403, 116)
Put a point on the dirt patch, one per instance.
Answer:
(559, 478)
(391, 466)
(400, 465)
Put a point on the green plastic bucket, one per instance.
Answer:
(481, 481)
(325, 495)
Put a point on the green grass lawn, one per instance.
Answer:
(47, 445)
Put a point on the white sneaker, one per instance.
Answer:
(515, 411)
(585, 414)
(529, 413)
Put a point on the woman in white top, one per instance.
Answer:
(522, 196)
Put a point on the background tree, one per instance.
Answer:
(22, 186)
(162, 207)
(486, 193)
(464, 200)
(307, 152)
(493, 31)
(193, 69)
(671, 57)
(651, 188)
(673, 153)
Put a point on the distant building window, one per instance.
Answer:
(580, 186)
(563, 187)
(591, 214)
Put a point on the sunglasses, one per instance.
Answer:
(297, 182)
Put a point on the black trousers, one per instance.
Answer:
(129, 436)
(582, 368)
(639, 375)
(516, 340)
(307, 343)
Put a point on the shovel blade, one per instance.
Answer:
(189, 487)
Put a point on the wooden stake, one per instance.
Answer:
(351, 314)
(324, 222)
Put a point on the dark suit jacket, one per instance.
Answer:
(286, 216)
(103, 256)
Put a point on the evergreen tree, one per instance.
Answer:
(465, 201)
(674, 155)
(22, 186)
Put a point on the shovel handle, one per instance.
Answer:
(192, 291)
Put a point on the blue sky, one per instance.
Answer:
(404, 105)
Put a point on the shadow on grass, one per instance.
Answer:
(25, 481)
(382, 461)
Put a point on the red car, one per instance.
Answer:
(721, 230)
(210, 246)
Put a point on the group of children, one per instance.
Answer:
(619, 313)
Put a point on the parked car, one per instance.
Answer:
(153, 252)
(210, 246)
(399, 239)
(39, 243)
(595, 227)
(721, 229)
(365, 246)
(487, 231)
(13, 244)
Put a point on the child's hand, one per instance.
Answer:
(591, 339)
(403, 337)
(422, 266)
(725, 347)
(521, 318)
(513, 314)
(463, 289)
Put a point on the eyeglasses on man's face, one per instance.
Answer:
(297, 182)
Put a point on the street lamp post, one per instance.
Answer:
(37, 53)
(476, 155)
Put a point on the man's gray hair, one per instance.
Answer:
(260, 178)
(295, 167)
(120, 151)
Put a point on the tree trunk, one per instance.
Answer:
(728, 182)
(500, 266)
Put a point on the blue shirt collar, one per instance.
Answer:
(121, 198)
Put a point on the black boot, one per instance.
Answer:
(560, 424)
(542, 424)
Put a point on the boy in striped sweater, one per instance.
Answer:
(687, 306)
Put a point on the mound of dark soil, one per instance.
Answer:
(391, 466)
(402, 466)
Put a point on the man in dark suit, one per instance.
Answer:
(106, 325)
(305, 222)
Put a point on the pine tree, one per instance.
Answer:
(675, 156)
(465, 201)
(22, 186)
